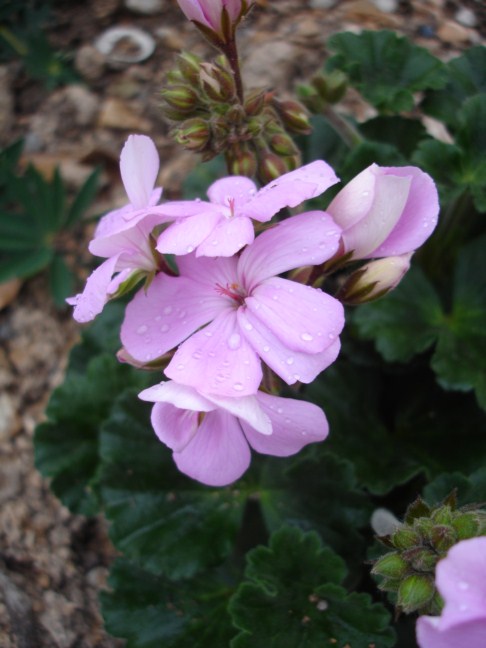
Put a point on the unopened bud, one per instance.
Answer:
(242, 162)
(189, 65)
(442, 537)
(405, 538)
(442, 515)
(181, 98)
(283, 144)
(294, 116)
(415, 592)
(330, 87)
(254, 102)
(374, 280)
(391, 565)
(311, 99)
(466, 526)
(270, 166)
(193, 134)
(421, 559)
(217, 82)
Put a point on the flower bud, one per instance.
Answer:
(442, 537)
(421, 559)
(189, 66)
(405, 538)
(294, 116)
(193, 134)
(270, 166)
(181, 97)
(242, 161)
(374, 280)
(415, 592)
(254, 102)
(466, 526)
(391, 565)
(283, 144)
(217, 83)
(216, 19)
(330, 87)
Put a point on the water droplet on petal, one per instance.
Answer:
(220, 377)
(164, 328)
(167, 310)
(215, 242)
(208, 333)
(463, 585)
(248, 327)
(306, 337)
(226, 363)
(287, 421)
(158, 318)
(180, 367)
(238, 386)
(297, 376)
(142, 329)
(290, 360)
(266, 348)
(182, 314)
(197, 355)
(189, 249)
(234, 341)
(331, 336)
(279, 410)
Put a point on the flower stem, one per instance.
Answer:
(231, 54)
(344, 128)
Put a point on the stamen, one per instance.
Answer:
(231, 290)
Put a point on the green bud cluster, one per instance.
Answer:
(322, 90)
(417, 545)
(208, 117)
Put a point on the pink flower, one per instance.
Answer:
(461, 581)
(123, 235)
(209, 12)
(252, 313)
(211, 436)
(386, 211)
(223, 226)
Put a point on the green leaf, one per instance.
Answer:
(400, 132)
(150, 611)
(61, 281)
(83, 199)
(354, 399)
(291, 598)
(471, 138)
(385, 68)
(443, 162)
(466, 78)
(16, 233)
(322, 144)
(24, 264)
(367, 153)
(405, 322)
(470, 489)
(164, 521)
(66, 446)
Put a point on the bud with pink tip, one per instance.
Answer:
(216, 17)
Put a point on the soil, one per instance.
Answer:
(53, 563)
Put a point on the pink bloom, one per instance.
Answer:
(253, 314)
(461, 581)
(123, 235)
(386, 211)
(209, 12)
(223, 226)
(211, 436)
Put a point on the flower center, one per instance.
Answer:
(231, 290)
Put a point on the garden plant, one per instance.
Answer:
(278, 402)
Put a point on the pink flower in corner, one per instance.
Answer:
(123, 235)
(224, 225)
(209, 12)
(211, 436)
(461, 581)
(386, 211)
(251, 312)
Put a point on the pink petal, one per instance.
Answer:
(419, 216)
(91, 301)
(307, 239)
(354, 201)
(233, 191)
(471, 634)
(290, 365)
(210, 273)
(218, 454)
(181, 396)
(227, 238)
(139, 166)
(217, 360)
(461, 580)
(295, 423)
(173, 426)
(170, 310)
(246, 408)
(290, 190)
(183, 236)
(390, 197)
(305, 319)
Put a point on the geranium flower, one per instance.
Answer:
(252, 313)
(211, 436)
(222, 226)
(123, 235)
(209, 12)
(386, 211)
(461, 580)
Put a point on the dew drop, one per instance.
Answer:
(275, 297)
(198, 200)
(248, 327)
(234, 341)
(215, 242)
(463, 585)
(266, 348)
(212, 354)
(226, 363)
(220, 377)
(306, 337)
(290, 360)
(180, 367)
(189, 249)
(142, 329)
(208, 333)
(182, 314)
(167, 310)
(279, 410)
(158, 318)
(238, 386)
(287, 421)
(197, 355)
(297, 376)
(164, 328)
(331, 336)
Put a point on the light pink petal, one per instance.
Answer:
(290, 190)
(419, 216)
(307, 239)
(303, 318)
(173, 426)
(234, 8)
(217, 360)
(461, 580)
(292, 366)
(232, 192)
(170, 310)
(218, 453)
(295, 423)
(91, 301)
(183, 236)
(227, 238)
(471, 634)
(209, 273)
(355, 199)
(246, 408)
(181, 396)
(118, 280)
(184, 208)
(139, 166)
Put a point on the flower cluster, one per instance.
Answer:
(226, 326)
